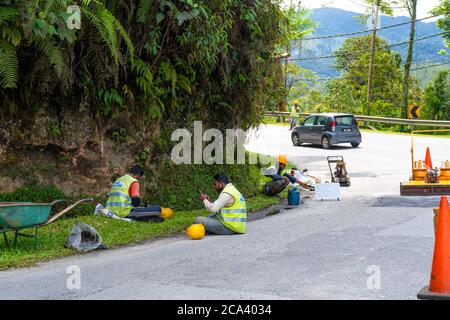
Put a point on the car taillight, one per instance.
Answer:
(333, 126)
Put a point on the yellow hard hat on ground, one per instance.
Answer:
(166, 213)
(282, 159)
(196, 231)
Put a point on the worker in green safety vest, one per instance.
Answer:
(228, 212)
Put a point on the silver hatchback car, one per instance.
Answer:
(327, 130)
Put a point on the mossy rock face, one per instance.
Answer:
(166, 184)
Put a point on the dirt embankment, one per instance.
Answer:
(70, 149)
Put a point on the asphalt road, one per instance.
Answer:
(373, 244)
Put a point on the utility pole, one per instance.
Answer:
(375, 18)
(288, 52)
(285, 84)
(412, 8)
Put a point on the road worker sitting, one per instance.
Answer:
(124, 201)
(228, 212)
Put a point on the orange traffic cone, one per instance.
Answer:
(428, 159)
(439, 288)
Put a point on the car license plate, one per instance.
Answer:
(348, 130)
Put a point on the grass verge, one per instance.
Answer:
(115, 233)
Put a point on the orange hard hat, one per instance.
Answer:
(196, 231)
(166, 213)
(282, 159)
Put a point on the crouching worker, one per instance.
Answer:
(229, 211)
(281, 178)
(124, 201)
(304, 177)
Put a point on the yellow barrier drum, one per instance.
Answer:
(445, 171)
(419, 171)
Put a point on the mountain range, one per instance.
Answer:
(332, 21)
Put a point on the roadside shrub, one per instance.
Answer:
(41, 194)
(48, 194)
(178, 185)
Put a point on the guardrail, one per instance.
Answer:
(428, 123)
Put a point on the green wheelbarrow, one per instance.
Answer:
(16, 217)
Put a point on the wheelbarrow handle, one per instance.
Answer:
(63, 212)
(57, 201)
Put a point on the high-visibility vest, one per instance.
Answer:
(119, 201)
(234, 217)
(294, 113)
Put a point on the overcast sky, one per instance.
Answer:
(424, 6)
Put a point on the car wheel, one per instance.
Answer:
(355, 145)
(326, 143)
(296, 140)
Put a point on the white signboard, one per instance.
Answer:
(328, 191)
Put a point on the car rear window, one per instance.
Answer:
(346, 121)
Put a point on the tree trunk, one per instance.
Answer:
(409, 58)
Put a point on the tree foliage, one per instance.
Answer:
(444, 22)
(347, 93)
(178, 60)
(297, 80)
(437, 98)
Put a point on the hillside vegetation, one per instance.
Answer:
(80, 106)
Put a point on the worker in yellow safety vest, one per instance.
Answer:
(124, 194)
(124, 199)
(294, 116)
(228, 212)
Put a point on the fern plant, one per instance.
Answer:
(143, 10)
(108, 27)
(150, 92)
(53, 53)
(9, 65)
(42, 24)
(7, 14)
